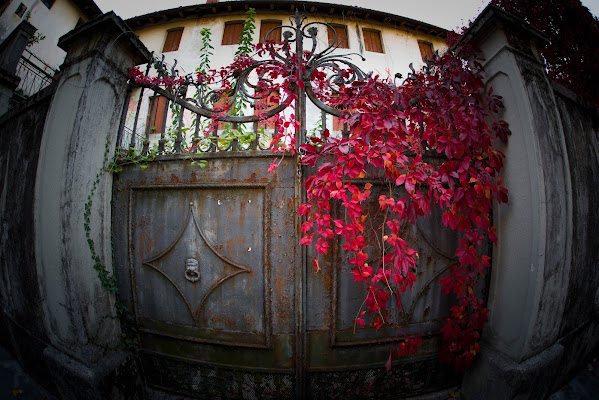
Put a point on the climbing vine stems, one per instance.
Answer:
(107, 279)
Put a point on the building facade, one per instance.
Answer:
(381, 43)
(52, 19)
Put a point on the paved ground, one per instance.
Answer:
(16, 384)
(584, 386)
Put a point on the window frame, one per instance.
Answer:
(421, 44)
(158, 103)
(277, 23)
(20, 10)
(340, 42)
(48, 3)
(236, 36)
(380, 40)
(166, 39)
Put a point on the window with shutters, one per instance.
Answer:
(341, 31)
(48, 3)
(372, 40)
(157, 114)
(173, 38)
(223, 105)
(266, 26)
(266, 103)
(426, 50)
(20, 11)
(232, 32)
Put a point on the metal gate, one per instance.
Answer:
(218, 288)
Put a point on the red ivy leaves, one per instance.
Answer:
(396, 131)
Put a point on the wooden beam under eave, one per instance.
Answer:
(247, 7)
(152, 20)
(366, 15)
(272, 6)
(292, 7)
(229, 8)
(165, 17)
(312, 9)
(181, 14)
(332, 10)
(214, 10)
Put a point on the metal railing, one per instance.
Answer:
(213, 130)
(35, 74)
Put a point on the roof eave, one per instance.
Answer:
(284, 6)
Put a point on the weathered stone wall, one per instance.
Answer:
(542, 319)
(60, 321)
(21, 317)
(579, 327)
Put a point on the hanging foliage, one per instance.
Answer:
(442, 110)
(572, 54)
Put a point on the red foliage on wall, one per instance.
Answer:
(572, 55)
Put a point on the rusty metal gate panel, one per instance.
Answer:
(345, 361)
(208, 273)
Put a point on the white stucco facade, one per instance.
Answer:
(399, 43)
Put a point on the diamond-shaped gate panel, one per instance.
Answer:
(199, 264)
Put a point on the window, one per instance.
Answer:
(266, 26)
(232, 32)
(157, 114)
(48, 3)
(173, 38)
(341, 31)
(372, 40)
(426, 50)
(265, 104)
(20, 11)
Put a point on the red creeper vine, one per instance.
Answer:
(443, 111)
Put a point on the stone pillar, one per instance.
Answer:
(80, 131)
(531, 263)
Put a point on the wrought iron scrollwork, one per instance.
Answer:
(250, 83)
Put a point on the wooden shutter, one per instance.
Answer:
(156, 115)
(266, 26)
(426, 50)
(341, 31)
(264, 104)
(232, 32)
(372, 40)
(173, 38)
(223, 105)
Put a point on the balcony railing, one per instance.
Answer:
(35, 74)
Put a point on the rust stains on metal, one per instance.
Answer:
(175, 179)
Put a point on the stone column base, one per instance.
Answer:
(116, 377)
(497, 377)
